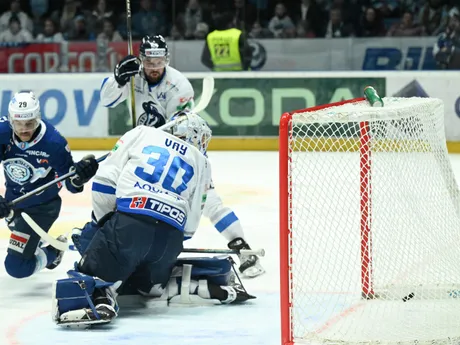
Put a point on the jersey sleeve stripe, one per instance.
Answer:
(101, 188)
(115, 101)
(225, 222)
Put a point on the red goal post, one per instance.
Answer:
(361, 191)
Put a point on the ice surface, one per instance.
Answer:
(248, 182)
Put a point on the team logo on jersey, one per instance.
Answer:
(117, 145)
(138, 202)
(152, 117)
(157, 207)
(161, 95)
(18, 170)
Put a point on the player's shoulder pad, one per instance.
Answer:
(52, 135)
(176, 77)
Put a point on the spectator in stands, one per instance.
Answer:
(65, 17)
(14, 33)
(193, 15)
(201, 31)
(214, 16)
(258, 31)
(148, 20)
(175, 34)
(388, 8)
(243, 14)
(38, 8)
(406, 27)
(371, 24)
(311, 19)
(79, 30)
(337, 27)
(50, 34)
(109, 33)
(281, 25)
(434, 16)
(15, 10)
(96, 19)
(412, 6)
(446, 50)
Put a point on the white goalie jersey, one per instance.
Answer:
(153, 173)
(155, 104)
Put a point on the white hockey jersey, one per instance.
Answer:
(155, 104)
(153, 173)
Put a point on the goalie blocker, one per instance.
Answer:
(82, 301)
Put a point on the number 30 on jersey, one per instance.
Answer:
(159, 164)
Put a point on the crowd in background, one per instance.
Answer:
(86, 20)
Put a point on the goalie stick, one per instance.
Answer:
(259, 252)
(64, 246)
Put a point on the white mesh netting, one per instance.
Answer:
(402, 190)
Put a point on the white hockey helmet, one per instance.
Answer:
(24, 112)
(193, 130)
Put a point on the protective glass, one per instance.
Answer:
(24, 126)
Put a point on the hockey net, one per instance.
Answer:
(369, 236)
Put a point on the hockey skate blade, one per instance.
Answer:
(82, 324)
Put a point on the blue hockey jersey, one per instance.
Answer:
(29, 165)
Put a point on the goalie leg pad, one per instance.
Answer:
(81, 238)
(83, 301)
(216, 270)
(205, 281)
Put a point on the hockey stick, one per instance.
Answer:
(43, 234)
(48, 185)
(130, 52)
(259, 252)
(65, 246)
(206, 94)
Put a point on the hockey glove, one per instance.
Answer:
(128, 67)
(5, 209)
(84, 170)
(249, 264)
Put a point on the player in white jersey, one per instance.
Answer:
(161, 91)
(149, 193)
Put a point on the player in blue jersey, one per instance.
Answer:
(34, 153)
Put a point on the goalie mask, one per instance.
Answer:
(193, 130)
(153, 52)
(24, 114)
